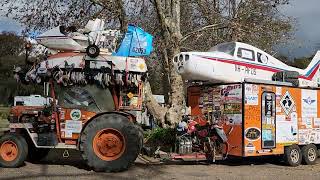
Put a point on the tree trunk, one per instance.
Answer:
(153, 107)
(170, 26)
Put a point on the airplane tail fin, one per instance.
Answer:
(313, 67)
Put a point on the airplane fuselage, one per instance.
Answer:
(243, 62)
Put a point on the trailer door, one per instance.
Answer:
(268, 117)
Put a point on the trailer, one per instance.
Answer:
(262, 118)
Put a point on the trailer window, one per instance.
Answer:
(268, 116)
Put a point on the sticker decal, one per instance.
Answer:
(309, 103)
(252, 134)
(75, 114)
(250, 148)
(287, 103)
(252, 100)
(72, 127)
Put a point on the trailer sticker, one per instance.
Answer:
(250, 148)
(234, 119)
(307, 122)
(251, 89)
(278, 91)
(287, 103)
(232, 93)
(267, 135)
(316, 122)
(286, 131)
(252, 99)
(306, 136)
(309, 103)
(252, 133)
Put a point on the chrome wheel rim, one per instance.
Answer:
(312, 154)
(294, 155)
(92, 50)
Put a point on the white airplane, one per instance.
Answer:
(235, 62)
(70, 39)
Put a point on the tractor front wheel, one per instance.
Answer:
(13, 150)
(110, 143)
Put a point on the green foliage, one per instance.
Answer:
(11, 44)
(12, 55)
(161, 137)
(301, 62)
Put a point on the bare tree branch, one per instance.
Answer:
(212, 26)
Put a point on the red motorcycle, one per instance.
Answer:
(198, 139)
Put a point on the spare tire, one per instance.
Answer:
(93, 51)
(110, 143)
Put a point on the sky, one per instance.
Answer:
(307, 25)
(306, 37)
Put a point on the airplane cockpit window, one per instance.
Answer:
(262, 58)
(228, 48)
(246, 54)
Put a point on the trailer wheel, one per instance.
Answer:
(309, 154)
(93, 51)
(13, 150)
(110, 143)
(292, 155)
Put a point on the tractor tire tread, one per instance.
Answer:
(22, 150)
(131, 134)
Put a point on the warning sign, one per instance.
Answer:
(287, 103)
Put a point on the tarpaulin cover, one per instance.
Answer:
(136, 42)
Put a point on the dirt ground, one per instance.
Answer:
(56, 167)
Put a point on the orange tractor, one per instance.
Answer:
(105, 133)
(99, 122)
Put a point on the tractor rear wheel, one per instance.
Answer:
(13, 150)
(110, 143)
